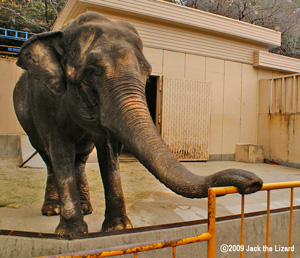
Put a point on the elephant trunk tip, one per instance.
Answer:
(247, 182)
(252, 187)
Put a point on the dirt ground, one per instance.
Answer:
(22, 189)
(25, 186)
(148, 201)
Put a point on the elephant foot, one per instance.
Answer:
(116, 223)
(86, 207)
(71, 228)
(51, 208)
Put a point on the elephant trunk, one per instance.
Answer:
(132, 125)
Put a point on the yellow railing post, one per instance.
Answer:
(291, 221)
(268, 223)
(242, 224)
(211, 243)
(174, 252)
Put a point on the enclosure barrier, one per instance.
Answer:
(13, 50)
(209, 236)
(280, 95)
(15, 34)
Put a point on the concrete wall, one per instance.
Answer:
(9, 145)
(279, 119)
(255, 230)
(9, 74)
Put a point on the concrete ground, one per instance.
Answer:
(148, 201)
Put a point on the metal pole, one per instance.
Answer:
(211, 243)
(28, 159)
(242, 223)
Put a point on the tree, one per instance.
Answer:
(29, 15)
(282, 15)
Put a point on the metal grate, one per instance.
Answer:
(186, 108)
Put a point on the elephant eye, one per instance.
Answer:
(90, 70)
(89, 74)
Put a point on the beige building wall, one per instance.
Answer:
(235, 92)
(188, 52)
(234, 102)
(232, 55)
(9, 74)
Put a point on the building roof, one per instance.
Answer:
(166, 12)
(168, 26)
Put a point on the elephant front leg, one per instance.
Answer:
(115, 212)
(71, 218)
(82, 183)
(51, 205)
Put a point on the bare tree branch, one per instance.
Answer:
(29, 21)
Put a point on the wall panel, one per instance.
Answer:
(174, 64)
(155, 58)
(195, 67)
(232, 107)
(249, 105)
(215, 74)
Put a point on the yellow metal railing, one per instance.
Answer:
(209, 236)
(213, 192)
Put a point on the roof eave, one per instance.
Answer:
(178, 15)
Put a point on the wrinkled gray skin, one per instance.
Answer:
(85, 86)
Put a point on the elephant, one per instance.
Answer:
(84, 87)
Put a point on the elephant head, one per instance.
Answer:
(99, 66)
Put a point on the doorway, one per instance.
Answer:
(153, 99)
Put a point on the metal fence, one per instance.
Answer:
(228, 190)
(209, 236)
(15, 34)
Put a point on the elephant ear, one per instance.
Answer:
(128, 26)
(41, 56)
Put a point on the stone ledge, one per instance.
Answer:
(9, 145)
(249, 153)
(26, 247)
